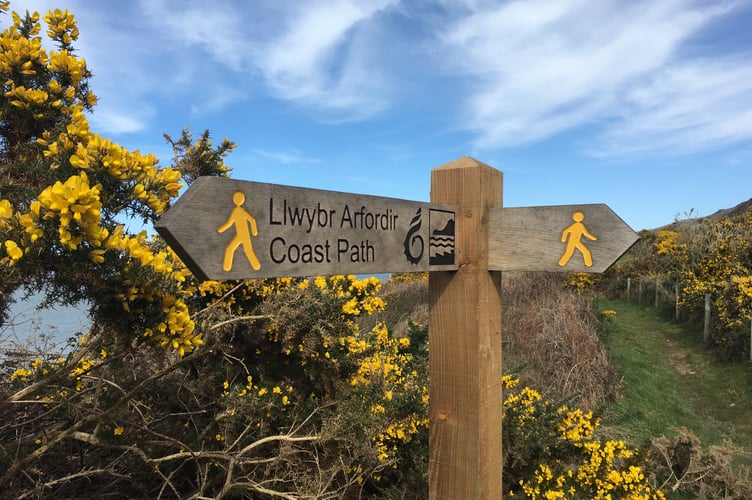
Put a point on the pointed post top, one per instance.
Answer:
(466, 182)
(463, 162)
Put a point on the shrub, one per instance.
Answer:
(552, 452)
(681, 465)
(551, 335)
(705, 256)
(288, 396)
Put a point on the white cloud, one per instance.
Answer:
(289, 157)
(320, 59)
(685, 108)
(112, 121)
(520, 71)
(542, 67)
(220, 30)
(315, 53)
(216, 98)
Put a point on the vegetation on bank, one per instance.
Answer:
(712, 256)
(677, 398)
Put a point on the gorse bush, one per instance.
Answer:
(551, 452)
(706, 257)
(552, 338)
(65, 190)
(288, 397)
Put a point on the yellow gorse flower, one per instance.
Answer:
(6, 211)
(77, 206)
(603, 472)
(13, 250)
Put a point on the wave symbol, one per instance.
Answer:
(441, 242)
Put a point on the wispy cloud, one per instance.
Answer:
(543, 67)
(150, 52)
(689, 107)
(116, 121)
(322, 57)
(515, 72)
(221, 31)
(288, 157)
(219, 98)
(315, 53)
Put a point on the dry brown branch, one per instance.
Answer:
(237, 320)
(684, 466)
(53, 377)
(552, 335)
(53, 441)
(71, 477)
(218, 301)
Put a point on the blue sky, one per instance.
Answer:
(643, 105)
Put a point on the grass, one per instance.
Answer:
(670, 380)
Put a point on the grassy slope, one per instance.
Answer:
(671, 381)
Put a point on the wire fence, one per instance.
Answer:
(665, 294)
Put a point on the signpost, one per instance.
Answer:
(464, 331)
(576, 238)
(230, 229)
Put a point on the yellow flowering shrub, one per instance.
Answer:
(553, 452)
(297, 365)
(306, 358)
(65, 191)
(705, 256)
(408, 277)
(671, 243)
(579, 282)
(719, 263)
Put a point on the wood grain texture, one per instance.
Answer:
(300, 231)
(465, 343)
(530, 238)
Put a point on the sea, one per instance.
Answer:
(31, 328)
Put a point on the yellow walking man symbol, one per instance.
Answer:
(573, 236)
(241, 219)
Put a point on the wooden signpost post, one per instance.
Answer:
(465, 343)
(229, 229)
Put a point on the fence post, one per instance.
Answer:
(629, 286)
(465, 457)
(656, 293)
(639, 292)
(706, 327)
(676, 300)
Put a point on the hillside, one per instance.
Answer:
(723, 213)
(742, 207)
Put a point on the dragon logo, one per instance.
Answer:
(414, 244)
